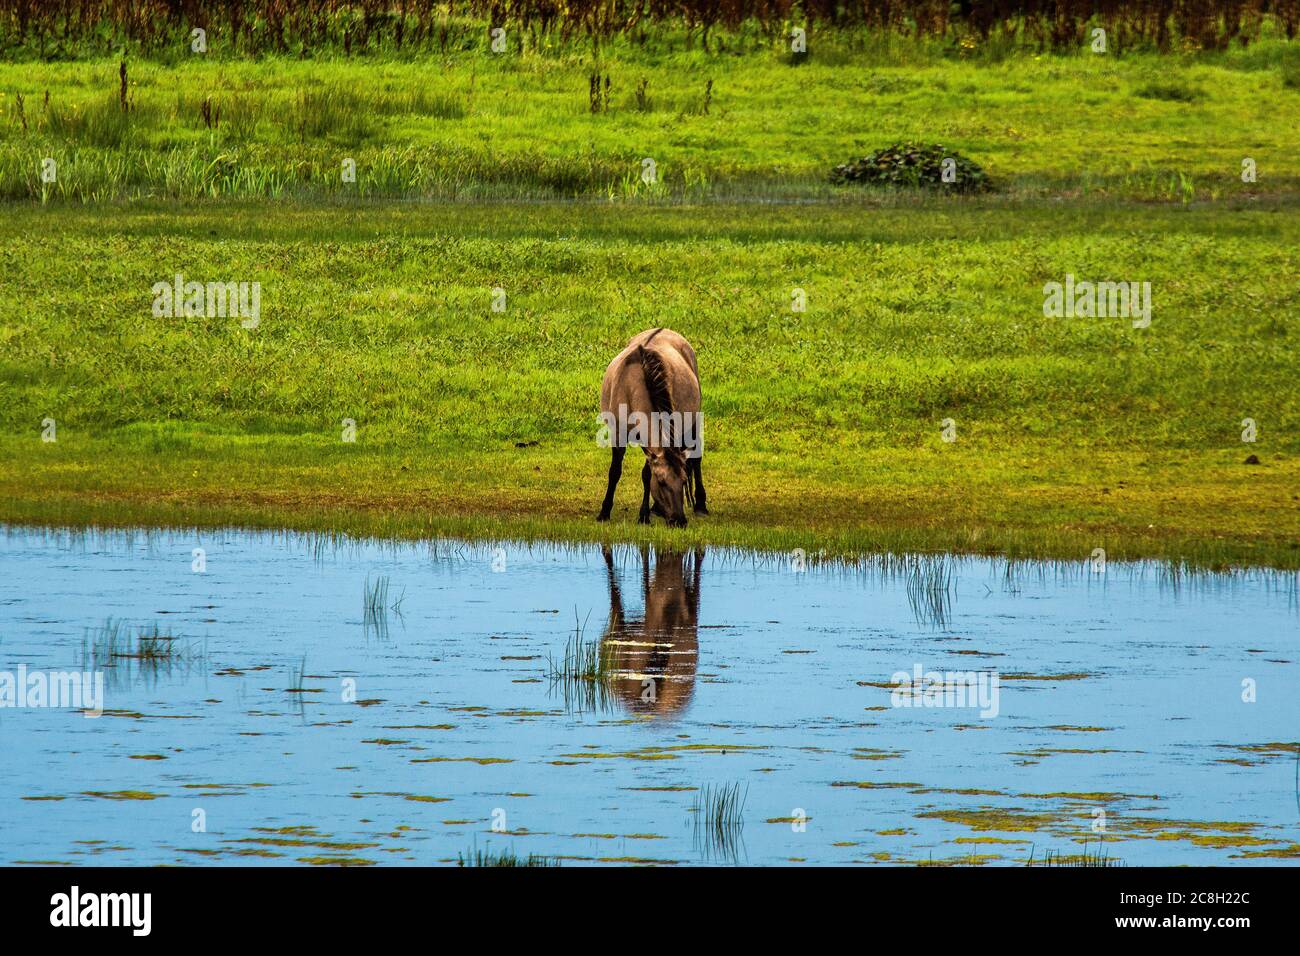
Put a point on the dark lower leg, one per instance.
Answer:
(615, 470)
(644, 516)
(701, 504)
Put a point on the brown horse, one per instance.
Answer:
(653, 658)
(650, 396)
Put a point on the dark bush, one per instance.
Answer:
(913, 165)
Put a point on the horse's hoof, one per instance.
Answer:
(643, 519)
(701, 510)
(603, 516)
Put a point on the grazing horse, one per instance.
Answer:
(650, 396)
(653, 659)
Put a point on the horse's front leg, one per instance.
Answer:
(701, 502)
(615, 471)
(644, 516)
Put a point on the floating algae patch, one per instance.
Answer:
(663, 753)
(299, 842)
(970, 859)
(876, 785)
(336, 861)
(1089, 797)
(872, 753)
(1073, 675)
(1067, 728)
(421, 727)
(1041, 752)
(1289, 852)
(1261, 752)
(1006, 821)
(122, 794)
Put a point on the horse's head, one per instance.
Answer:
(668, 485)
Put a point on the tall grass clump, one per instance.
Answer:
(1100, 856)
(583, 675)
(477, 857)
(718, 819)
(930, 581)
(123, 652)
(375, 605)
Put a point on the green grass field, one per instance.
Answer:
(820, 426)
(823, 428)
(475, 125)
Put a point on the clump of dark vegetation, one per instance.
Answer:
(147, 652)
(598, 96)
(1173, 92)
(477, 857)
(114, 641)
(1099, 856)
(1291, 72)
(914, 166)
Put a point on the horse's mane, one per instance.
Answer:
(660, 389)
(656, 382)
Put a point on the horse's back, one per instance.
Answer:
(624, 381)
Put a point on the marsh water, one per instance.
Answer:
(1126, 714)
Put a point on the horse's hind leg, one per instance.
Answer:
(644, 516)
(615, 471)
(701, 503)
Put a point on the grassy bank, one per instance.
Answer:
(823, 428)
(750, 122)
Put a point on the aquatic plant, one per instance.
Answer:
(477, 857)
(718, 820)
(929, 583)
(583, 675)
(375, 606)
(1098, 857)
(148, 652)
(914, 166)
(375, 597)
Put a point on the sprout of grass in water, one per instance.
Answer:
(719, 820)
(374, 603)
(477, 857)
(583, 674)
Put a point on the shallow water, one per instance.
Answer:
(1120, 724)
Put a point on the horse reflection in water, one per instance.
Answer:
(652, 659)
